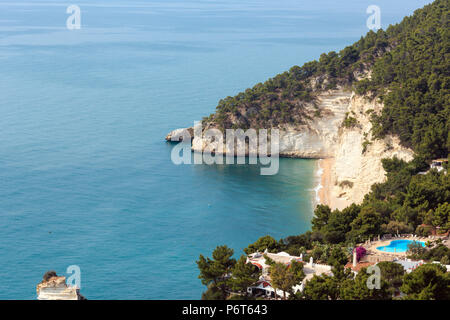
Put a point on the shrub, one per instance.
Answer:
(349, 122)
(360, 252)
(395, 227)
(423, 231)
(346, 183)
(49, 274)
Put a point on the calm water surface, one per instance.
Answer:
(85, 176)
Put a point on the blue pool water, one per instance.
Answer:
(399, 246)
(85, 175)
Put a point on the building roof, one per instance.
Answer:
(409, 265)
(265, 285)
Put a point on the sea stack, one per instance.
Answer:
(178, 135)
(53, 287)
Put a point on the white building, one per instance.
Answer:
(409, 265)
(438, 164)
(263, 287)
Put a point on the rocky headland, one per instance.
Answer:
(351, 158)
(54, 287)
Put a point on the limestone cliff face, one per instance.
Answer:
(56, 288)
(316, 138)
(354, 159)
(356, 163)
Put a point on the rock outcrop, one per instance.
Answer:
(178, 135)
(55, 288)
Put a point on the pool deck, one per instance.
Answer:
(380, 255)
(374, 255)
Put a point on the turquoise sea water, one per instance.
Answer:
(85, 176)
(399, 245)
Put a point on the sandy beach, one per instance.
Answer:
(325, 190)
(330, 193)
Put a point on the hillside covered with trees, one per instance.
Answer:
(409, 65)
(409, 72)
(405, 203)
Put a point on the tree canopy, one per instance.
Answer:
(427, 282)
(409, 67)
(243, 275)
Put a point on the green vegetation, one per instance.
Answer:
(427, 282)
(282, 99)
(393, 274)
(365, 144)
(285, 277)
(410, 74)
(222, 274)
(439, 252)
(346, 183)
(349, 121)
(320, 288)
(412, 79)
(357, 289)
(262, 244)
(244, 275)
(213, 272)
(439, 217)
(402, 204)
(48, 275)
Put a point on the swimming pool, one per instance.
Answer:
(399, 246)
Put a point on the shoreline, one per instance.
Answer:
(323, 190)
(318, 173)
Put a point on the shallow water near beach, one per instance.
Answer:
(86, 177)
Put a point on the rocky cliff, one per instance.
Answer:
(319, 116)
(55, 288)
(339, 130)
(356, 161)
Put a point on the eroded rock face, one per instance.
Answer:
(178, 135)
(356, 163)
(56, 288)
(316, 138)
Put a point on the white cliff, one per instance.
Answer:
(352, 159)
(318, 137)
(356, 163)
(55, 288)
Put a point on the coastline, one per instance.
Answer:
(324, 188)
(318, 173)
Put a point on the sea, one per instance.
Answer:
(88, 91)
